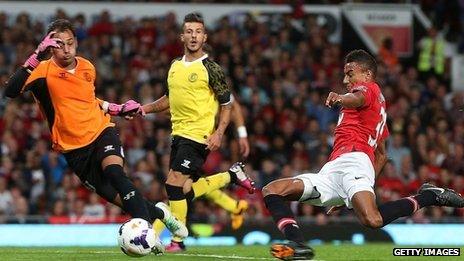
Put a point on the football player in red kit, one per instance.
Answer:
(348, 177)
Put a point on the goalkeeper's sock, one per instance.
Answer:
(404, 207)
(210, 183)
(132, 200)
(283, 217)
(177, 203)
(223, 200)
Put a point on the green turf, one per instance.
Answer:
(323, 252)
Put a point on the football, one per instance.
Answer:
(137, 238)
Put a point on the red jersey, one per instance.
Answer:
(361, 129)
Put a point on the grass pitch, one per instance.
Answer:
(239, 252)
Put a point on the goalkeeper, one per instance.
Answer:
(80, 126)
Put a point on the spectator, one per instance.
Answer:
(387, 53)
(21, 210)
(432, 55)
(55, 164)
(38, 182)
(397, 151)
(268, 173)
(6, 200)
(94, 208)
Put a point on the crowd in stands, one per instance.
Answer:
(281, 74)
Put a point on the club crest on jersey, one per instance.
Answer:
(87, 77)
(193, 77)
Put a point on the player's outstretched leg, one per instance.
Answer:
(131, 199)
(161, 215)
(176, 227)
(235, 174)
(236, 208)
(132, 202)
(238, 176)
(202, 186)
(428, 195)
(292, 251)
(237, 216)
(275, 196)
(444, 196)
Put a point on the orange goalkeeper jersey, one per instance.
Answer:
(67, 99)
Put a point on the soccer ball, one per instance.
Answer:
(137, 238)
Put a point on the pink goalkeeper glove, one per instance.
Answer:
(129, 108)
(41, 51)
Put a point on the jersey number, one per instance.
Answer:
(379, 128)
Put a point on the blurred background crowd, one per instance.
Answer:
(281, 75)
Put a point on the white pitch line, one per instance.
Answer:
(230, 257)
(192, 255)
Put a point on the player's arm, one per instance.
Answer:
(380, 152)
(217, 81)
(214, 141)
(381, 158)
(25, 79)
(236, 115)
(101, 102)
(239, 121)
(127, 109)
(224, 119)
(349, 100)
(16, 82)
(159, 105)
(20, 80)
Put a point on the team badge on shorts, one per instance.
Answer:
(186, 164)
(193, 77)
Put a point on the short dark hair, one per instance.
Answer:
(362, 58)
(193, 18)
(61, 25)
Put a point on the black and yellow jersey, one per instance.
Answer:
(195, 90)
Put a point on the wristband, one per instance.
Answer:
(105, 106)
(242, 132)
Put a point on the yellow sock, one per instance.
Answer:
(158, 226)
(179, 210)
(223, 200)
(210, 183)
(177, 239)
